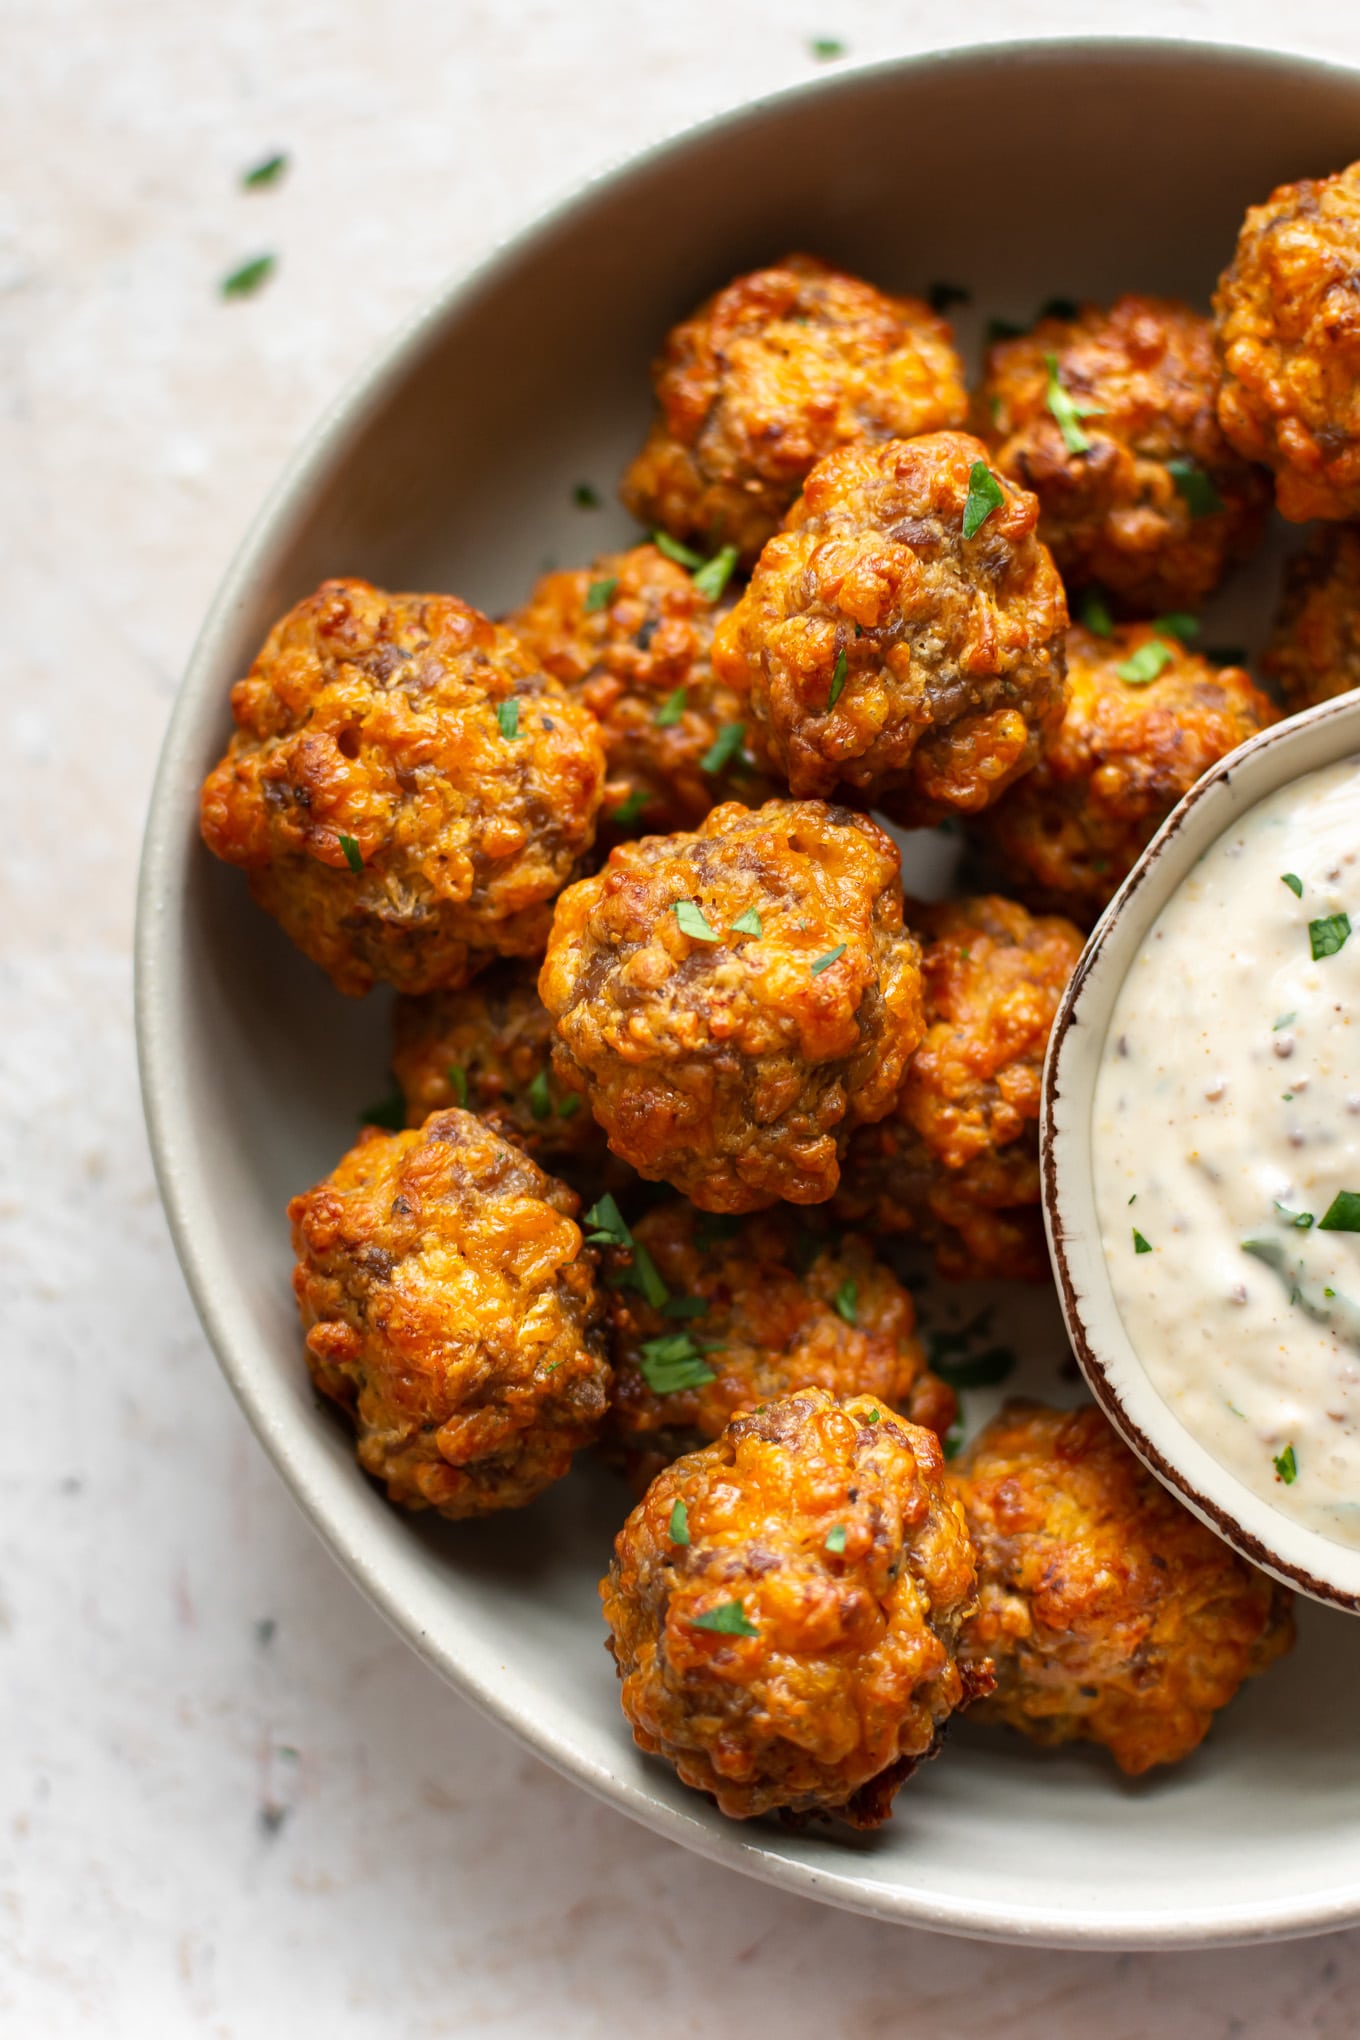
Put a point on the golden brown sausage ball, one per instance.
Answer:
(769, 375)
(1110, 1613)
(489, 1048)
(453, 1312)
(630, 638)
(958, 1160)
(1288, 329)
(734, 1001)
(881, 649)
(406, 790)
(1109, 418)
(754, 1309)
(784, 1607)
(1315, 650)
(1145, 719)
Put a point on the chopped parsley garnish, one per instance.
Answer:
(608, 1221)
(1067, 410)
(1342, 1214)
(685, 1307)
(748, 923)
(600, 594)
(673, 550)
(1140, 1245)
(714, 1226)
(1134, 1198)
(1285, 1020)
(540, 1098)
(973, 1370)
(354, 856)
(692, 923)
(628, 811)
(585, 497)
(725, 747)
(1294, 882)
(837, 680)
(674, 1362)
(645, 1276)
(825, 962)
(569, 1106)
(612, 1231)
(729, 1619)
(846, 1301)
(1287, 1466)
(1095, 614)
(985, 494)
(1178, 624)
(1225, 655)
(872, 1417)
(243, 282)
(265, 174)
(507, 715)
(1300, 1220)
(942, 296)
(1329, 934)
(1001, 329)
(825, 48)
(389, 1112)
(952, 1442)
(713, 576)
(1194, 487)
(1058, 308)
(1145, 664)
(457, 1077)
(834, 1540)
(672, 708)
(679, 1525)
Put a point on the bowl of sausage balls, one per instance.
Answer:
(635, 810)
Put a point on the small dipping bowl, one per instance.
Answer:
(1279, 756)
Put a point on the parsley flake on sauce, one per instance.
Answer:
(1095, 614)
(729, 1619)
(1300, 1220)
(1328, 935)
(846, 1302)
(748, 923)
(672, 548)
(672, 708)
(457, 1077)
(725, 747)
(834, 1540)
(692, 922)
(1140, 1245)
(837, 680)
(1067, 410)
(713, 576)
(264, 174)
(354, 856)
(985, 494)
(1194, 487)
(825, 962)
(1146, 663)
(826, 49)
(600, 594)
(1342, 1214)
(1287, 1466)
(246, 280)
(507, 715)
(679, 1524)
(1294, 882)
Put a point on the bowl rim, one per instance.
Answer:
(157, 966)
(1107, 1357)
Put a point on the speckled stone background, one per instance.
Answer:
(230, 1802)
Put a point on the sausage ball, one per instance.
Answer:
(784, 1607)
(1288, 330)
(630, 639)
(489, 1048)
(452, 1311)
(1110, 1613)
(1315, 650)
(1109, 418)
(881, 649)
(754, 1309)
(1145, 719)
(957, 1161)
(733, 1002)
(406, 790)
(769, 375)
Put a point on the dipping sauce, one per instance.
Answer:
(1226, 1148)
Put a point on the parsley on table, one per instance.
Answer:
(585, 497)
(1328, 935)
(985, 494)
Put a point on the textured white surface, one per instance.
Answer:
(230, 1802)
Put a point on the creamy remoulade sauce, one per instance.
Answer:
(1226, 1148)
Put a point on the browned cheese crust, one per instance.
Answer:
(1114, 512)
(1288, 330)
(630, 638)
(1070, 833)
(371, 720)
(1111, 1614)
(757, 1308)
(880, 649)
(452, 1311)
(733, 1064)
(1315, 649)
(766, 377)
(957, 1162)
(850, 1673)
(489, 1047)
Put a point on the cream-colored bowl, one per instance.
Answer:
(1301, 1556)
(1019, 172)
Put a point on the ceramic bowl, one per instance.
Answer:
(1304, 1558)
(1020, 172)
